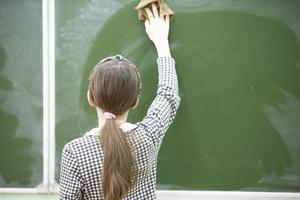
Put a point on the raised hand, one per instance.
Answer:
(157, 28)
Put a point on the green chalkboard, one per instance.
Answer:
(238, 64)
(21, 97)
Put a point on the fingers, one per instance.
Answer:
(155, 14)
(149, 13)
(167, 18)
(160, 13)
(155, 11)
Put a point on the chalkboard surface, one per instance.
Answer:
(21, 97)
(239, 76)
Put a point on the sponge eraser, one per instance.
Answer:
(162, 5)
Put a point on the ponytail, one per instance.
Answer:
(118, 163)
(114, 86)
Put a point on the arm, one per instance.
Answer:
(162, 111)
(70, 178)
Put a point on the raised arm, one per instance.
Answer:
(162, 111)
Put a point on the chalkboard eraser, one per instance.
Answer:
(161, 4)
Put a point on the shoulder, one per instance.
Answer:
(79, 144)
(126, 127)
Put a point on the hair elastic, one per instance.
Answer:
(108, 115)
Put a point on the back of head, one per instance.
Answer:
(114, 86)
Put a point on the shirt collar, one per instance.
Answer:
(125, 127)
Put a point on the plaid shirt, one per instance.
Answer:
(82, 158)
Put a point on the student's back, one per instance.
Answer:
(84, 163)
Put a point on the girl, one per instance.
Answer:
(117, 160)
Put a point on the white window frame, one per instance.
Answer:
(49, 185)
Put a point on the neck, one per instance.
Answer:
(121, 119)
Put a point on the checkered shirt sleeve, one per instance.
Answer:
(162, 111)
(71, 183)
